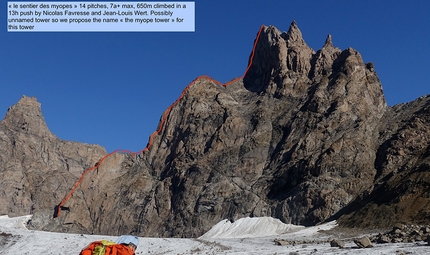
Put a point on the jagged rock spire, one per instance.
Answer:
(324, 58)
(284, 65)
(328, 41)
(299, 54)
(279, 54)
(294, 36)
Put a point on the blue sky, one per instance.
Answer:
(111, 88)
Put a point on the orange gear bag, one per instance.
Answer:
(106, 248)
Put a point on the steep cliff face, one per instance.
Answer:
(37, 168)
(401, 188)
(305, 136)
(296, 140)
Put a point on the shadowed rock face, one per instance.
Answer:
(400, 193)
(305, 136)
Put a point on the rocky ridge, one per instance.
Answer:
(305, 137)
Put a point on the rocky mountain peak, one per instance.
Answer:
(285, 66)
(26, 116)
(37, 168)
(304, 137)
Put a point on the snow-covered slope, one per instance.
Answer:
(244, 236)
(250, 227)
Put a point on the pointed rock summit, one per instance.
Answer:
(26, 117)
(322, 62)
(278, 56)
(328, 42)
(294, 36)
(299, 54)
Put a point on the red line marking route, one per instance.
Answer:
(151, 138)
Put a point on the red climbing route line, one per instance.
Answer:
(160, 127)
(253, 50)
